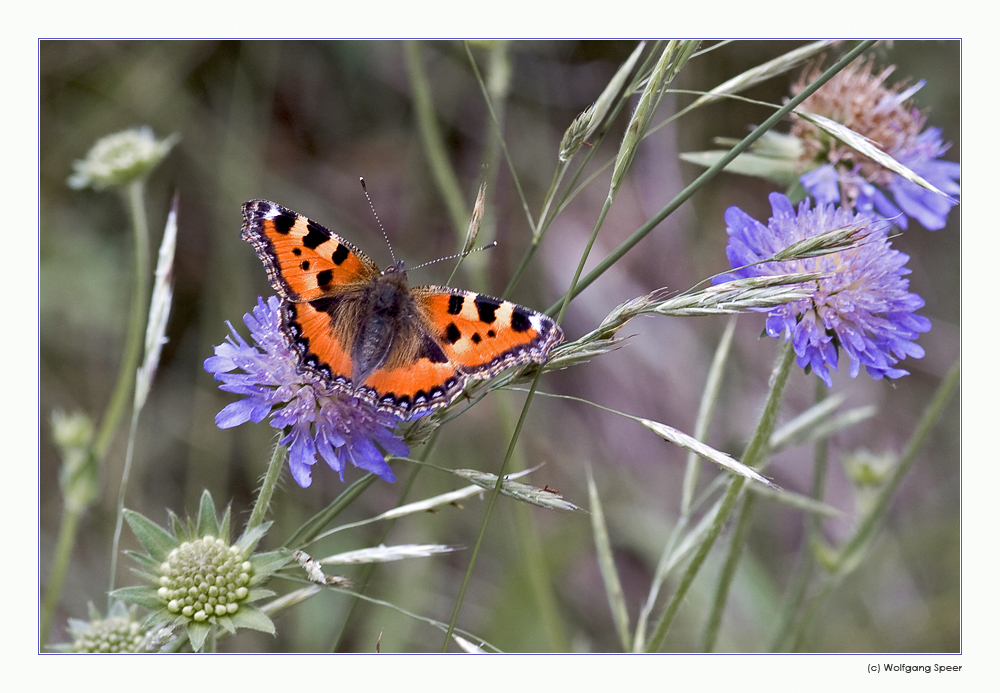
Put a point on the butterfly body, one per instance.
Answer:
(369, 334)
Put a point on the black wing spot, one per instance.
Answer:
(283, 223)
(340, 254)
(323, 278)
(316, 237)
(304, 265)
(487, 308)
(520, 321)
(296, 251)
(326, 304)
(476, 338)
(452, 334)
(433, 352)
(455, 303)
(491, 333)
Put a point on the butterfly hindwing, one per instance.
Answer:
(423, 384)
(304, 261)
(484, 335)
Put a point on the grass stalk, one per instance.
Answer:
(755, 452)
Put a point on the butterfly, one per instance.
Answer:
(368, 334)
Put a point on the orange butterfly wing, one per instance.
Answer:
(419, 386)
(320, 349)
(304, 261)
(484, 335)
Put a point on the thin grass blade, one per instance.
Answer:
(605, 559)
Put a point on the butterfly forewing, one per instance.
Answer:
(304, 261)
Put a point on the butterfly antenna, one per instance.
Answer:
(377, 220)
(461, 254)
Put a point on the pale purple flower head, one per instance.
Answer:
(316, 418)
(908, 200)
(864, 309)
(859, 98)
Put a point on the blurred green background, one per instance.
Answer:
(298, 123)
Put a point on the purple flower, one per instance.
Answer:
(921, 157)
(864, 309)
(315, 417)
(835, 173)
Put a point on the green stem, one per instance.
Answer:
(710, 173)
(850, 555)
(314, 525)
(536, 238)
(928, 421)
(605, 208)
(550, 209)
(267, 487)
(130, 363)
(489, 509)
(706, 409)
(753, 455)
(736, 544)
(135, 199)
(533, 555)
(433, 143)
(60, 565)
(120, 514)
(540, 579)
(805, 564)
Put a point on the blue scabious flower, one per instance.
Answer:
(316, 418)
(864, 308)
(836, 174)
(928, 208)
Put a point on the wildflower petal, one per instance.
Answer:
(235, 413)
(365, 455)
(823, 184)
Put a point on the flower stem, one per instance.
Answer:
(928, 421)
(120, 514)
(755, 452)
(489, 509)
(571, 292)
(536, 238)
(805, 563)
(135, 198)
(315, 524)
(736, 544)
(135, 194)
(60, 565)
(706, 409)
(851, 554)
(267, 487)
(432, 140)
(534, 559)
